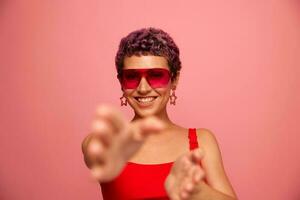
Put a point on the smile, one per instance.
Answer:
(145, 100)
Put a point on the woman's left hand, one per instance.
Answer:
(186, 176)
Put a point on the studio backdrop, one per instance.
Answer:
(239, 78)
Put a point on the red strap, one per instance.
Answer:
(193, 139)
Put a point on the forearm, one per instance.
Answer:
(206, 192)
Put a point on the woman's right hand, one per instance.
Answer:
(113, 141)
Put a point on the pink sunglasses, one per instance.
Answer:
(156, 77)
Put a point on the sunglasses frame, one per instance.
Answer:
(145, 73)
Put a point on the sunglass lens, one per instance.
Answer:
(130, 79)
(158, 77)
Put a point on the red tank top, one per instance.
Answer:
(142, 181)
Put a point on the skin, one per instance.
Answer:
(113, 142)
(214, 183)
(185, 175)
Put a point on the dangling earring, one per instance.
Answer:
(123, 100)
(173, 98)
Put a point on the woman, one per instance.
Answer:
(151, 157)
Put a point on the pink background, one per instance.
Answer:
(240, 79)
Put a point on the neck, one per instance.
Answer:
(168, 132)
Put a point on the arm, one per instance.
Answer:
(206, 192)
(218, 186)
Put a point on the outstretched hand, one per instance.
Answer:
(186, 173)
(113, 141)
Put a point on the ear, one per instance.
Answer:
(175, 81)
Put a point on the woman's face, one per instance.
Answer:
(144, 99)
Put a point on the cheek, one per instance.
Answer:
(128, 92)
(164, 92)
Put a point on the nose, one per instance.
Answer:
(144, 86)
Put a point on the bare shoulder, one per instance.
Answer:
(205, 136)
(212, 162)
(208, 142)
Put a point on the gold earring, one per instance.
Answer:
(173, 98)
(123, 100)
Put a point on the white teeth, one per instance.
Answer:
(145, 99)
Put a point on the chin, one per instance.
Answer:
(146, 112)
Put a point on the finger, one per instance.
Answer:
(181, 166)
(191, 174)
(174, 196)
(144, 127)
(92, 160)
(187, 183)
(197, 155)
(189, 186)
(112, 116)
(184, 194)
(95, 154)
(199, 175)
(103, 131)
(196, 174)
(87, 148)
(85, 143)
(187, 164)
(192, 171)
(152, 124)
(97, 173)
(95, 147)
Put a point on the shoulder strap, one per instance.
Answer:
(193, 139)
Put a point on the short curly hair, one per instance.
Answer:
(149, 41)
